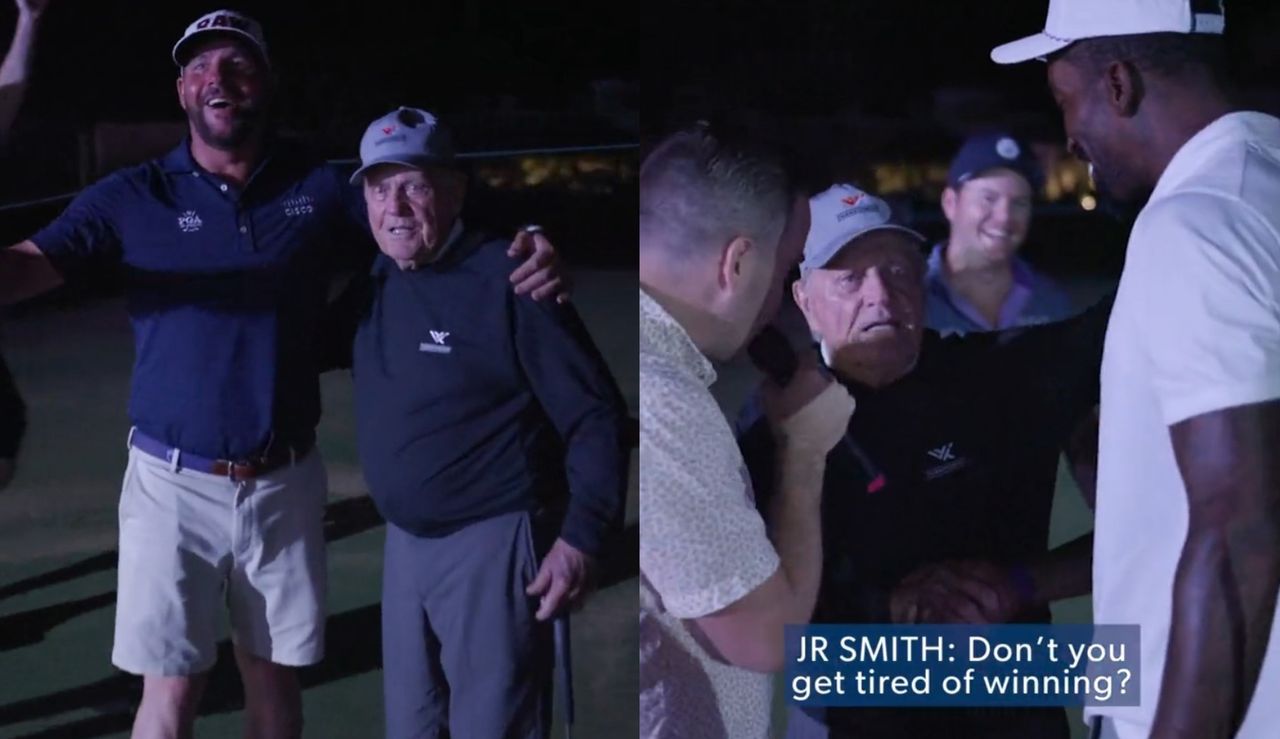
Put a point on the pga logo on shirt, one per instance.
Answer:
(189, 222)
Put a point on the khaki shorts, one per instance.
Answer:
(191, 541)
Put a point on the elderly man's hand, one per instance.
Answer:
(540, 275)
(563, 580)
(7, 468)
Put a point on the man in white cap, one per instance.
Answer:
(229, 243)
(1188, 521)
(476, 412)
(935, 508)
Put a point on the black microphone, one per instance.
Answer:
(773, 355)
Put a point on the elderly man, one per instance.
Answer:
(1188, 531)
(718, 218)
(936, 508)
(474, 407)
(229, 242)
(976, 280)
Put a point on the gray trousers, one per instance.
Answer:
(462, 655)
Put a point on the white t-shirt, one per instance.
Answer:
(1195, 329)
(702, 545)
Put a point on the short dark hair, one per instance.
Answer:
(1166, 54)
(704, 185)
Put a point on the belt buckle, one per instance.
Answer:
(236, 468)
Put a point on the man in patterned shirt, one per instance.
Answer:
(717, 220)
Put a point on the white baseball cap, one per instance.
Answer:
(1072, 20)
(839, 215)
(221, 21)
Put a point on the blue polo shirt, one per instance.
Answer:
(1034, 299)
(225, 289)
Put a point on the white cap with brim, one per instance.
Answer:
(1070, 21)
(221, 21)
(839, 215)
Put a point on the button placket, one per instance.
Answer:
(242, 226)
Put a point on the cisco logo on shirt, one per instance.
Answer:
(299, 206)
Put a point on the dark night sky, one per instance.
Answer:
(109, 59)
(817, 56)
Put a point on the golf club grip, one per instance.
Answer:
(564, 656)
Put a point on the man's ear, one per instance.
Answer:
(731, 258)
(181, 102)
(1124, 88)
(950, 199)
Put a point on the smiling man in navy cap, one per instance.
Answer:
(976, 280)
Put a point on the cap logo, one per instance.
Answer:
(222, 21)
(1008, 148)
(851, 200)
(386, 130)
(873, 205)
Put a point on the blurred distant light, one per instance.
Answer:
(1088, 202)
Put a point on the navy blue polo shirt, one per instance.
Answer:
(472, 401)
(225, 288)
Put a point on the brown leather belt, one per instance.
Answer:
(277, 456)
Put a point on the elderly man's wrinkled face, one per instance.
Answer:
(411, 210)
(866, 305)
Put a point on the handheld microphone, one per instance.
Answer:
(773, 355)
